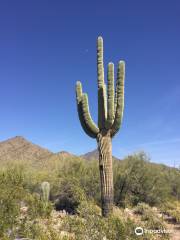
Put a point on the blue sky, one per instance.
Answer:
(46, 46)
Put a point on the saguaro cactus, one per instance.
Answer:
(45, 188)
(110, 113)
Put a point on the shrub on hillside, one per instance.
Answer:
(139, 181)
(17, 203)
(70, 196)
(36, 207)
(89, 224)
(11, 195)
(142, 208)
(172, 209)
(150, 218)
(86, 174)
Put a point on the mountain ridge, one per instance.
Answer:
(20, 148)
(94, 155)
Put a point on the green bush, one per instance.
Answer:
(137, 180)
(89, 224)
(172, 209)
(142, 208)
(37, 207)
(11, 195)
(70, 196)
(150, 218)
(86, 175)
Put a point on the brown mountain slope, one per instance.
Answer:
(65, 154)
(93, 155)
(18, 148)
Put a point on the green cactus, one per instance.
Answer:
(110, 113)
(45, 188)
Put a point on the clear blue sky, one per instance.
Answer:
(46, 46)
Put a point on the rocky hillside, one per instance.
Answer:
(64, 154)
(18, 148)
(93, 155)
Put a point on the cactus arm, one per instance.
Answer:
(120, 98)
(115, 98)
(78, 91)
(102, 102)
(110, 96)
(102, 107)
(80, 111)
(100, 67)
(86, 121)
(87, 116)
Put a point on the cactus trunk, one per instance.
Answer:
(106, 173)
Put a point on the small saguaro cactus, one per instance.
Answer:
(110, 113)
(45, 188)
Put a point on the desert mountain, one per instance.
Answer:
(64, 154)
(93, 155)
(18, 148)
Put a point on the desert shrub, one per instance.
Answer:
(137, 180)
(173, 179)
(142, 208)
(70, 196)
(90, 181)
(86, 174)
(36, 207)
(29, 229)
(170, 205)
(36, 230)
(89, 224)
(172, 208)
(88, 208)
(11, 195)
(175, 214)
(150, 218)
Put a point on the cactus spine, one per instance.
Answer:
(110, 113)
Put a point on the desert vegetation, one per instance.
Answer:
(62, 201)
